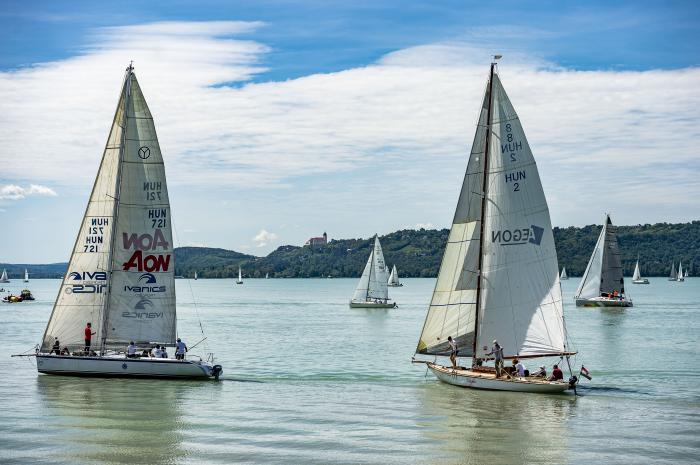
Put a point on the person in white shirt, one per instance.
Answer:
(520, 368)
(157, 353)
(180, 349)
(453, 351)
(131, 350)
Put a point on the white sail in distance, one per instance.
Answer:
(563, 274)
(637, 275)
(373, 282)
(3, 277)
(680, 271)
(604, 271)
(121, 272)
(394, 277)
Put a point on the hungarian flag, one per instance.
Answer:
(584, 373)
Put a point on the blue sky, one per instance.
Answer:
(304, 113)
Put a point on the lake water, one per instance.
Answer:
(309, 380)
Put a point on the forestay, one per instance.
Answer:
(521, 303)
(452, 308)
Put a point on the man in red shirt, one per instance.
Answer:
(88, 337)
(557, 374)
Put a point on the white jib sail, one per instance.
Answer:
(590, 282)
(142, 294)
(81, 297)
(521, 303)
(563, 273)
(452, 310)
(636, 276)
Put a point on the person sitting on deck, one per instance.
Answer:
(131, 350)
(541, 373)
(65, 351)
(557, 374)
(519, 368)
(157, 353)
(56, 347)
(164, 352)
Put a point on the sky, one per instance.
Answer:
(279, 120)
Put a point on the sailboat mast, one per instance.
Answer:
(115, 216)
(484, 190)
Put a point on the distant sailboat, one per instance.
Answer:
(267, 275)
(195, 276)
(240, 276)
(394, 278)
(680, 277)
(602, 284)
(372, 291)
(26, 276)
(672, 276)
(3, 278)
(563, 276)
(686, 273)
(120, 275)
(637, 275)
(499, 275)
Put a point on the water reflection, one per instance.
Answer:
(477, 427)
(113, 420)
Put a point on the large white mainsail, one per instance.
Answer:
(121, 272)
(517, 292)
(604, 271)
(373, 282)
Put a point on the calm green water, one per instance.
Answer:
(309, 380)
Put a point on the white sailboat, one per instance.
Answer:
(686, 273)
(3, 277)
(195, 276)
(680, 277)
(563, 276)
(26, 276)
(394, 278)
(372, 291)
(121, 273)
(499, 275)
(267, 275)
(240, 276)
(602, 284)
(672, 276)
(637, 275)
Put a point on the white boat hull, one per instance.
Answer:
(640, 281)
(603, 302)
(355, 304)
(488, 381)
(120, 366)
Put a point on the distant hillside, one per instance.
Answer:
(417, 253)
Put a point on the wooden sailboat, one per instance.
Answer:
(563, 275)
(680, 277)
(240, 276)
(3, 277)
(394, 278)
(26, 276)
(372, 291)
(637, 275)
(120, 276)
(499, 275)
(602, 284)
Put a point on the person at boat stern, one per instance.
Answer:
(88, 337)
(497, 352)
(180, 349)
(557, 374)
(453, 351)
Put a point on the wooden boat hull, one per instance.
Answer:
(640, 281)
(372, 304)
(488, 381)
(120, 366)
(602, 302)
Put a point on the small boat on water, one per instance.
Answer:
(3, 277)
(394, 278)
(637, 275)
(563, 276)
(499, 275)
(120, 275)
(673, 275)
(26, 276)
(240, 276)
(602, 284)
(680, 277)
(372, 291)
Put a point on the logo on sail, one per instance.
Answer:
(144, 152)
(88, 276)
(93, 282)
(531, 235)
(146, 242)
(147, 278)
(141, 311)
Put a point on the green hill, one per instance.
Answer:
(417, 253)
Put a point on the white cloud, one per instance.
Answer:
(264, 238)
(15, 192)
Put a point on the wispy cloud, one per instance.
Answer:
(264, 238)
(15, 192)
